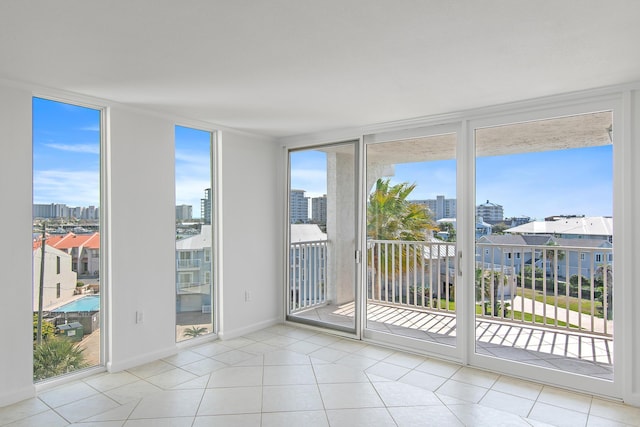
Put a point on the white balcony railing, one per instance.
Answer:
(566, 287)
(190, 287)
(188, 264)
(308, 274)
(560, 287)
(415, 274)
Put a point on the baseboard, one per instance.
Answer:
(121, 365)
(15, 396)
(236, 333)
(633, 399)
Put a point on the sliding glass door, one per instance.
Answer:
(411, 225)
(321, 250)
(544, 253)
(489, 241)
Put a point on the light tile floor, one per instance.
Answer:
(580, 353)
(289, 376)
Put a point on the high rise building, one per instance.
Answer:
(205, 207)
(298, 207)
(319, 209)
(440, 207)
(60, 210)
(490, 212)
(184, 212)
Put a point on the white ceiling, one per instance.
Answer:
(286, 67)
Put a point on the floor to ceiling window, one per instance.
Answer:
(488, 241)
(194, 232)
(544, 243)
(66, 238)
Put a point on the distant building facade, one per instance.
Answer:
(298, 207)
(492, 213)
(517, 220)
(84, 250)
(512, 252)
(194, 269)
(205, 207)
(184, 212)
(60, 210)
(482, 228)
(319, 209)
(59, 279)
(440, 207)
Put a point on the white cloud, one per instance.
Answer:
(73, 188)
(312, 181)
(189, 191)
(77, 148)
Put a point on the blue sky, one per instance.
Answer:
(308, 172)
(66, 157)
(193, 166)
(66, 162)
(66, 154)
(573, 181)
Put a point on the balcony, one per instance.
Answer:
(188, 264)
(546, 305)
(190, 287)
(308, 273)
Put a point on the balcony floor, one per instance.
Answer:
(579, 353)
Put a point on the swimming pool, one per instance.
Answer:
(86, 303)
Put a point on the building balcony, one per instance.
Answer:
(188, 264)
(547, 305)
(193, 288)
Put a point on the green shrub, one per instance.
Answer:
(56, 356)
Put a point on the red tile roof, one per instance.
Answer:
(71, 240)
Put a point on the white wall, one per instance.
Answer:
(140, 237)
(252, 210)
(16, 371)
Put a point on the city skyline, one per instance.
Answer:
(66, 170)
(66, 157)
(563, 182)
(193, 166)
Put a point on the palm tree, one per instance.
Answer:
(194, 331)
(390, 216)
(551, 257)
(488, 285)
(602, 271)
(56, 356)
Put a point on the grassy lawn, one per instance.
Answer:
(517, 315)
(582, 306)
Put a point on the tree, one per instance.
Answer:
(605, 271)
(47, 329)
(551, 259)
(488, 285)
(56, 356)
(448, 228)
(194, 331)
(499, 228)
(390, 216)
